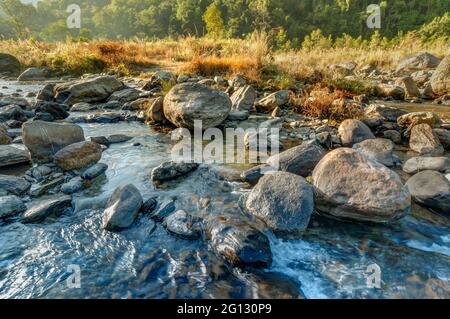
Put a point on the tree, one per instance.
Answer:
(213, 21)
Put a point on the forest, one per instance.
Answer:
(290, 20)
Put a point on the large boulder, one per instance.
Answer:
(299, 160)
(46, 208)
(239, 243)
(244, 98)
(351, 186)
(431, 189)
(44, 139)
(10, 206)
(379, 149)
(9, 65)
(354, 131)
(424, 163)
(424, 141)
(122, 208)
(188, 102)
(284, 201)
(417, 62)
(78, 155)
(440, 81)
(13, 185)
(13, 154)
(87, 90)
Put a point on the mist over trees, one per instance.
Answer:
(290, 20)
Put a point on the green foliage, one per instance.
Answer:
(317, 40)
(352, 86)
(214, 22)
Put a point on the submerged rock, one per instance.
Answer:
(78, 155)
(423, 163)
(13, 154)
(424, 141)
(44, 139)
(239, 243)
(183, 224)
(284, 201)
(122, 208)
(171, 170)
(354, 131)
(352, 186)
(431, 189)
(13, 185)
(379, 149)
(11, 206)
(189, 102)
(46, 208)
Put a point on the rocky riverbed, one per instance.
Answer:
(87, 181)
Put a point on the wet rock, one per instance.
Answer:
(444, 137)
(352, 186)
(284, 201)
(94, 171)
(414, 118)
(13, 154)
(354, 131)
(171, 170)
(424, 141)
(417, 62)
(9, 64)
(46, 93)
(156, 111)
(149, 206)
(46, 208)
(10, 206)
(122, 208)
(12, 112)
(254, 174)
(238, 115)
(299, 160)
(423, 163)
(73, 186)
(34, 74)
(56, 110)
(41, 189)
(393, 135)
(44, 139)
(189, 102)
(83, 107)
(239, 243)
(379, 149)
(273, 100)
(14, 100)
(440, 81)
(125, 95)
(87, 90)
(102, 140)
(78, 155)
(13, 185)
(431, 189)
(387, 112)
(118, 138)
(164, 209)
(243, 98)
(182, 224)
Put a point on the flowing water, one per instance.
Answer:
(332, 259)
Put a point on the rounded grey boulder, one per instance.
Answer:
(354, 131)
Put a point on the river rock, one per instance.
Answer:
(9, 65)
(444, 137)
(183, 224)
(299, 160)
(254, 174)
(94, 171)
(10, 206)
(431, 189)
(125, 95)
(423, 163)
(155, 112)
(393, 135)
(73, 186)
(135, 105)
(440, 81)
(34, 74)
(47, 187)
(171, 170)
(149, 206)
(410, 87)
(244, 98)
(44, 139)
(56, 110)
(379, 149)
(424, 141)
(389, 90)
(417, 62)
(87, 90)
(239, 243)
(389, 113)
(351, 186)
(83, 107)
(189, 102)
(46, 208)
(46, 93)
(14, 100)
(273, 100)
(122, 208)
(414, 118)
(354, 131)
(13, 185)
(13, 154)
(78, 155)
(12, 112)
(284, 201)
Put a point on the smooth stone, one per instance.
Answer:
(164, 209)
(424, 163)
(78, 155)
(94, 171)
(379, 149)
(73, 186)
(46, 208)
(424, 141)
(254, 174)
(56, 110)
(354, 131)
(429, 118)
(10, 206)
(171, 170)
(273, 100)
(440, 80)
(182, 224)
